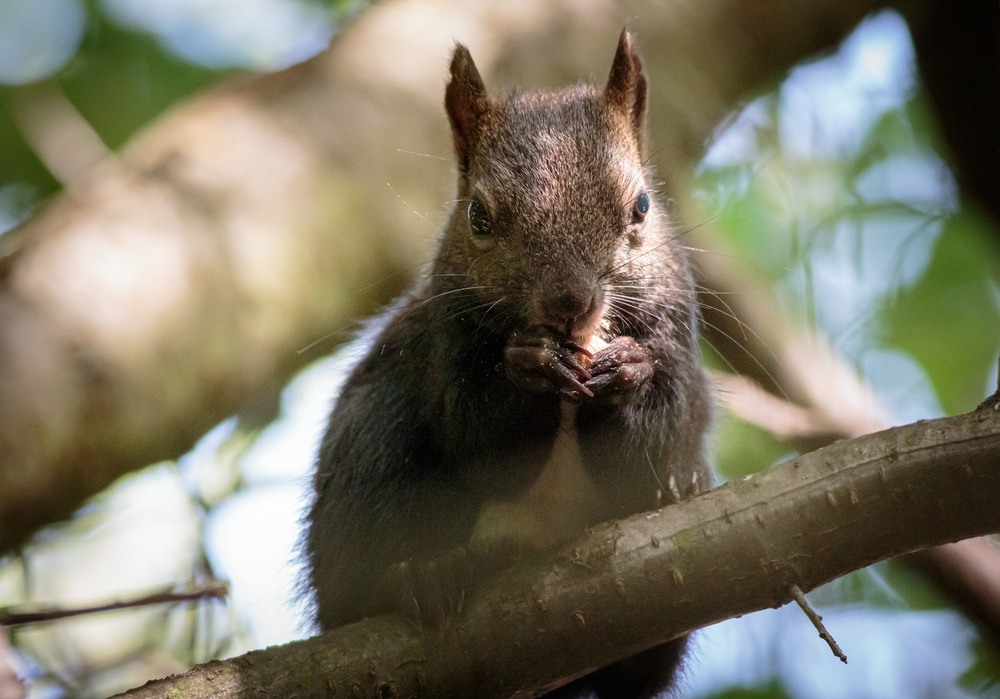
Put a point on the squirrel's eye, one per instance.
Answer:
(641, 207)
(479, 218)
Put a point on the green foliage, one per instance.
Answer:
(983, 676)
(120, 80)
(23, 177)
(741, 449)
(771, 690)
(871, 245)
(949, 319)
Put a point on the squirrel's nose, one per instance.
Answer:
(571, 310)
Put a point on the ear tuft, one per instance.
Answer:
(626, 88)
(466, 102)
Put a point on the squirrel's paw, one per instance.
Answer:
(541, 361)
(433, 591)
(619, 370)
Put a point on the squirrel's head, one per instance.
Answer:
(556, 222)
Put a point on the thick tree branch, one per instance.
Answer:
(628, 585)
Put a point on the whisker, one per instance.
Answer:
(422, 155)
(422, 217)
(318, 340)
(631, 307)
(753, 357)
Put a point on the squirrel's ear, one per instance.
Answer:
(626, 88)
(466, 102)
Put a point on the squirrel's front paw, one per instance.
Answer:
(541, 361)
(619, 370)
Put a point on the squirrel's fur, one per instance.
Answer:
(543, 375)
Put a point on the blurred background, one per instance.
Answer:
(830, 190)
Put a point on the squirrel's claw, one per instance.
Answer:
(619, 370)
(542, 362)
(432, 591)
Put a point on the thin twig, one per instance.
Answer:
(217, 589)
(817, 621)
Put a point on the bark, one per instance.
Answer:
(180, 282)
(625, 586)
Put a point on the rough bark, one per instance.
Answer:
(628, 585)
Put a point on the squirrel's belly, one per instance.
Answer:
(560, 503)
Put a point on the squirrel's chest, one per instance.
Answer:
(560, 503)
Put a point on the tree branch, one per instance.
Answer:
(817, 621)
(625, 586)
(213, 590)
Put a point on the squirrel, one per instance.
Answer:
(543, 375)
